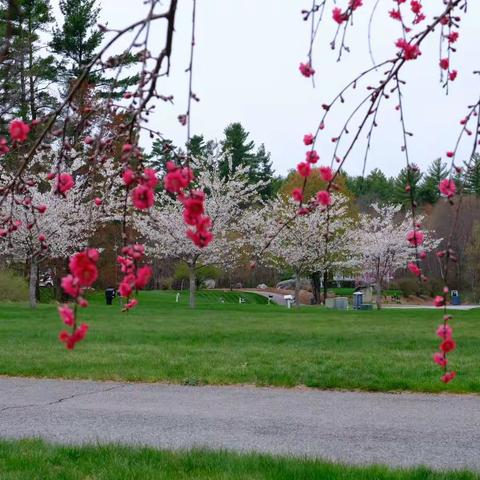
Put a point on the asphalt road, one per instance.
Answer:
(441, 431)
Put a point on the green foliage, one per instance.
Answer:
(35, 459)
(471, 176)
(202, 272)
(375, 188)
(241, 152)
(162, 340)
(410, 177)
(24, 80)
(77, 40)
(13, 288)
(429, 192)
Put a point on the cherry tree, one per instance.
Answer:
(228, 205)
(308, 243)
(381, 245)
(48, 226)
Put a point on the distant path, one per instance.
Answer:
(441, 431)
(449, 307)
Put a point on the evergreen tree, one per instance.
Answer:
(428, 191)
(237, 146)
(241, 152)
(408, 177)
(471, 176)
(78, 39)
(26, 78)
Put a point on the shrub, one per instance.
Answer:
(408, 286)
(13, 287)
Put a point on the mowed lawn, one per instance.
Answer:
(35, 460)
(228, 343)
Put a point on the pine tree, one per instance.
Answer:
(428, 191)
(406, 185)
(26, 78)
(77, 40)
(241, 152)
(471, 176)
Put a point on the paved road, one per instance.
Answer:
(442, 431)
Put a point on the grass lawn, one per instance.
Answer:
(250, 343)
(35, 460)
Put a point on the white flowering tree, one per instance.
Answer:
(381, 245)
(317, 241)
(229, 202)
(48, 225)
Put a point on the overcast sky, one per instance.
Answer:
(246, 70)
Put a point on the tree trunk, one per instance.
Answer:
(297, 290)
(193, 286)
(315, 281)
(32, 290)
(325, 278)
(378, 295)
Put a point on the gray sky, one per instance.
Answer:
(246, 70)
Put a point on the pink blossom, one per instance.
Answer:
(297, 194)
(308, 139)
(324, 198)
(415, 237)
(128, 177)
(3, 146)
(413, 267)
(447, 187)
(410, 51)
(18, 130)
(444, 63)
(306, 69)
(132, 303)
(150, 178)
(125, 289)
(448, 345)
(312, 156)
(67, 315)
(65, 182)
(143, 277)
(304, 169)
(143, 197)
(326, 173)
(448, 377)
(439, 301)
(83, 268)
(444, 331)
(440, 359)
(338, 15)
(200, 239)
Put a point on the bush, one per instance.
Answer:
(408, 286)
(13, 288)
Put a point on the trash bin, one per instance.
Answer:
(109, 295)
(357, 300)
(455, 297)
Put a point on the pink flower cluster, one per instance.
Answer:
(18, 131)
(176, 181)
(143, 193)
(340, 17)
(304, 169)
(83, 273)
(135, 277)
(448, 344)
(447, 188)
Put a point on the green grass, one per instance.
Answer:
(242, 344)
(35, 460)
